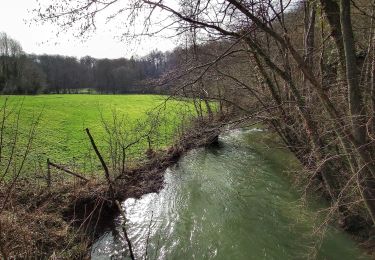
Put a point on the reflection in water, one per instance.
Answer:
(232, 201)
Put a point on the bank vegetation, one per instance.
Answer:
(306, 69)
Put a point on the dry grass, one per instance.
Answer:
(62, 221)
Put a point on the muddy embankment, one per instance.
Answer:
(64, 220)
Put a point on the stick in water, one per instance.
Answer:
(125, 232)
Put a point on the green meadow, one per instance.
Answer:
(61, 134)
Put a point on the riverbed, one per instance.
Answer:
(234, 200)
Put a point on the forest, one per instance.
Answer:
(22, 73)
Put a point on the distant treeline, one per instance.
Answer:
(21, 73)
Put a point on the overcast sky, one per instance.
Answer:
(15, 17)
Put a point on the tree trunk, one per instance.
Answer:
(357, 109)
(356, 105)
(310, 14)
(332, 12)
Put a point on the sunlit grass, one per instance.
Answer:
(61, 136)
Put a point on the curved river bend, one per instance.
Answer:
(233, 201)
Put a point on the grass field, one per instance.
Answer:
(60, 133)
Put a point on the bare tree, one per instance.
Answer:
(323, 113)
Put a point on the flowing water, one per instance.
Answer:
(231, 201)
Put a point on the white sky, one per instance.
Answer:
(15, 17)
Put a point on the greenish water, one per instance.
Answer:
(233, 201)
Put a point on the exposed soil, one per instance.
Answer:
(62, 222)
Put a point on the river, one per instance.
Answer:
(231, 201)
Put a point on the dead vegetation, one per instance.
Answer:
(60, 219)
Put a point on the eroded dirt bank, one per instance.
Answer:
(63, 221)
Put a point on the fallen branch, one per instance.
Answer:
(106, 171)
(125, 232)
(67, 171)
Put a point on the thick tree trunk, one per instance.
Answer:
(356, 105)
(357, 109)
(318, 146)
(332, 12)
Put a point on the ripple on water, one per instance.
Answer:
(227, 202)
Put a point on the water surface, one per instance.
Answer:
(231, 201)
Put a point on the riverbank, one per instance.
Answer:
(353, 221)
(309, 182)
(63, 221)
(233, 200)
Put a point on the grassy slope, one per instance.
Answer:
(61, 135)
